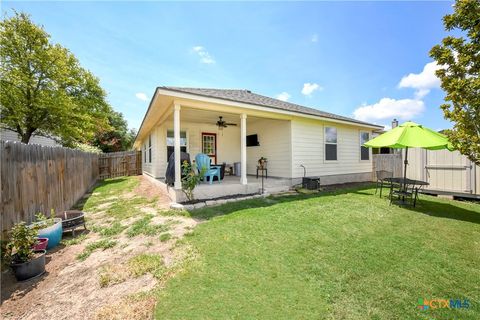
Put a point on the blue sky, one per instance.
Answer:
(367, 60)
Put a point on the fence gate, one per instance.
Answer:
(449, 171)
(119, 164)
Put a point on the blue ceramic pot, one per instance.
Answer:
(53, 233)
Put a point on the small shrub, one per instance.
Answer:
(190, 179)
(19, 248)
(44, 221)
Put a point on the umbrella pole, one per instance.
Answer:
(405, 164)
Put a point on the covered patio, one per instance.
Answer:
(230, 186)
(190, 126)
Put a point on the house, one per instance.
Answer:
(9, 135)
(296, 140)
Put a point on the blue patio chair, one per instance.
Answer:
(203, 163)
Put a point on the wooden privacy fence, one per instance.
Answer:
(446, 172)
(119, 164)
(387, 162)
(38, 178)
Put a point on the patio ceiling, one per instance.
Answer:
(208, 117)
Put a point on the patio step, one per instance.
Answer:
(276, 189)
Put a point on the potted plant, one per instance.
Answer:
(262, 162)
(190, 179)
(25, 262)
(41, 244)
(50, 228)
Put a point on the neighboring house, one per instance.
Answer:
(10, 135)
(289, 136)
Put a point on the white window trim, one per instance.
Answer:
(186, 137)
(325, 143)
(360, 146)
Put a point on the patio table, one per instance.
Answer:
(404, 183)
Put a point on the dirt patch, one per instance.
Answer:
(150, 191)
(73, 289)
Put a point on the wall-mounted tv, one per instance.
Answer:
(252, 140)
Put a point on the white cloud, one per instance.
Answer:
(309, 88)
(423, 81)
(142, 96)
(284, 96)
(387, 108)
(205, 57)
(314, 38)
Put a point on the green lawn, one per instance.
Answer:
(341, 255)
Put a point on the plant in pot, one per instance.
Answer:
(48, 227)
(190, 179)
(262, 162)
(25, 262)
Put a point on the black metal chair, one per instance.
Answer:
(381, 182)
(403, 193)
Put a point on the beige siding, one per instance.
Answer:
(228, 145)
(308, 149)
(274, 137)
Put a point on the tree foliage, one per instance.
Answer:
(118, 137)
(43, 88)
(460, 58)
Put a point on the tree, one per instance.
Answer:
(118, 137)
(43, 88)
(460, 60)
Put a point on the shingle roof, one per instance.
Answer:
(249, 97)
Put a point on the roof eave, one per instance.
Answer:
(274, 109)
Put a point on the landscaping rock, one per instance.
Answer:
(211, 203)
(189, 207)
(221, 201)
(176, 206)
(199, 205)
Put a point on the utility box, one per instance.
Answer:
(311, 183)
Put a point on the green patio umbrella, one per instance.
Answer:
(410, 135)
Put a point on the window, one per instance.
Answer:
(150, 148)
(364, 151)
(171, 142)
(330, 143)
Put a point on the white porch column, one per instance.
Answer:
(243, 148)
(176, 136)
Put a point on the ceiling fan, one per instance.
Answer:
(222, 124)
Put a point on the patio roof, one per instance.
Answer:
(246, 96)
